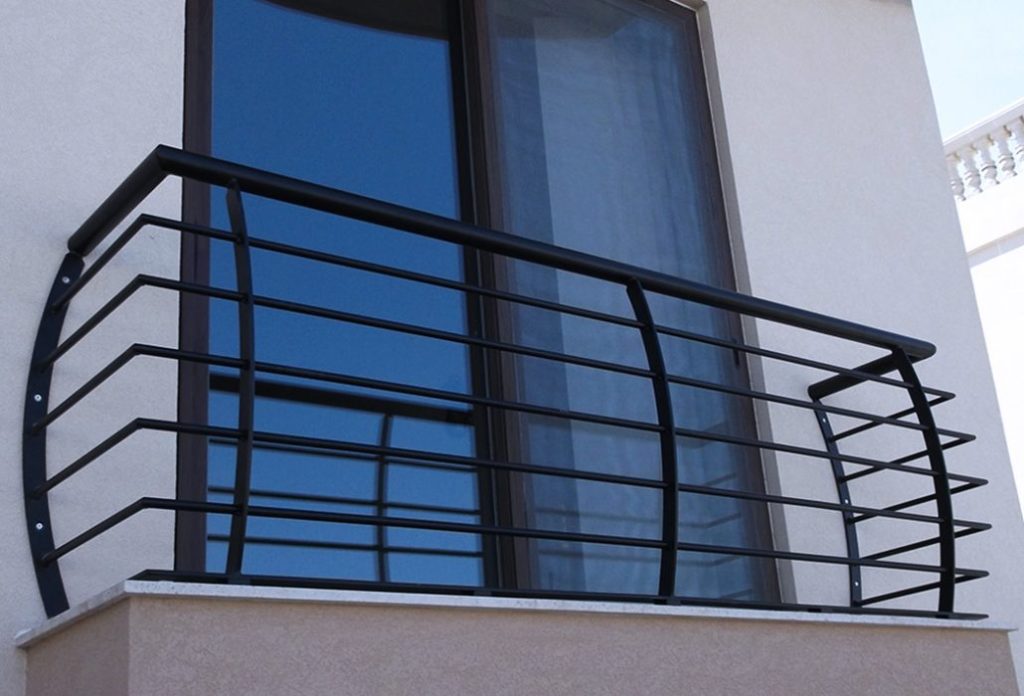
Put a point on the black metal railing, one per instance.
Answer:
(891, 368)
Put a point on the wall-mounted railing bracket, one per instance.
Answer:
(33, 453)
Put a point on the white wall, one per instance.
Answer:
(86, 90)
(838, 197)
(993, 229)
(999, 285)
(842, 205)
(993, 216)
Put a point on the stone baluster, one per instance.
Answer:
(987, 154)
(989, 174)
(1016, 129)
(971, 176)
(1004, 158)
(955, 182)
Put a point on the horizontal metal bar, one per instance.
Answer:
(437, 281)
(804, 502)
(416, 330)
(87, 458)
(969, 524)
(899, 414)
(335, 500)
(98, 264)
(959, 437)
(818, 454)
(820, 558)
(343, 546)
(898, 463)
(143, 220)
(396, 453)
(335, 398)
(862, 373)
(80, 393)
(444, 395)
(777, 355)
(305, 451)
(134, 350)
(136, 283)
(914, 590)
(837, 383)
(102, 313)
(925, 543)
(924, 453)
(166, 160)
(685, 600)
(190, 227)
(127, 512)
(916, 501)
(134, 426)
(790, 401)
(351, 456)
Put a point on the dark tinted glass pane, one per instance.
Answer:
(354, 99)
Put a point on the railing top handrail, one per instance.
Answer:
(986, 126)
(165, 160)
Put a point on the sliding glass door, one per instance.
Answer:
(581, 123)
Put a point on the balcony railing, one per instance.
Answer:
(909, 493)
(987, 154)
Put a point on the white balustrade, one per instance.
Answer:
(957, 183)
(987, 154)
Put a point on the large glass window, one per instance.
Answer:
(582, 123)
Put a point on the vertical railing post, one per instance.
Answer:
(943, 498)
(381, 495)
(246, 381)
(666, 421)
(843, 491)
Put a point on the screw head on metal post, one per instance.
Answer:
(65, 279)
(37, 397)
(40, 526)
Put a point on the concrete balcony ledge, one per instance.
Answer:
(173, 638)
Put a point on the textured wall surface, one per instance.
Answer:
(86, 90)
(841, 204)
(181, 645)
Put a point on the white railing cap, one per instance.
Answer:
(984, 127)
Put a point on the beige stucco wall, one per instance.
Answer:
(838, 203)
(188, 645)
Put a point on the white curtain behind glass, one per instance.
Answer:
(606, 146)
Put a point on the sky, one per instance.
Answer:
(974, 51)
